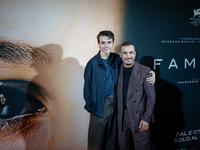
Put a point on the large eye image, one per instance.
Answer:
(19, 98)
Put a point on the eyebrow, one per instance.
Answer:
(19, 53)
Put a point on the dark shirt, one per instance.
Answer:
(109, 90)
(126, 77)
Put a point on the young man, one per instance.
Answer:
(101, 74)
(136, 100)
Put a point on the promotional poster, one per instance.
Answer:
(46, 44)
(166, 35)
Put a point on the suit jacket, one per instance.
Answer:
(140, 98)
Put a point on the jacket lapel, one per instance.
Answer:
(134, 79)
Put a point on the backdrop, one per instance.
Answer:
(45, 45)
(167, 37)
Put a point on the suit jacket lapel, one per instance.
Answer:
(134, 79)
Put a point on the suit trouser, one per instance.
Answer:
(133, 140)
(102, 132)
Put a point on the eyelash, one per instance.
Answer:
(16, 123)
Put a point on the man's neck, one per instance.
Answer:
(103, 55)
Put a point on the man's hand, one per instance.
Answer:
(143, 125)
(152, 79)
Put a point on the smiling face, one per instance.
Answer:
(128, 55)
(105, 45)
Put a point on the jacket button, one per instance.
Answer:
(134, 101)
(136, 111)
(136, 90)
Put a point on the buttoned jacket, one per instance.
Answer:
(140, 98)
(94, 82)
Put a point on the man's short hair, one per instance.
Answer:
(126, 44)
(105, 33)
